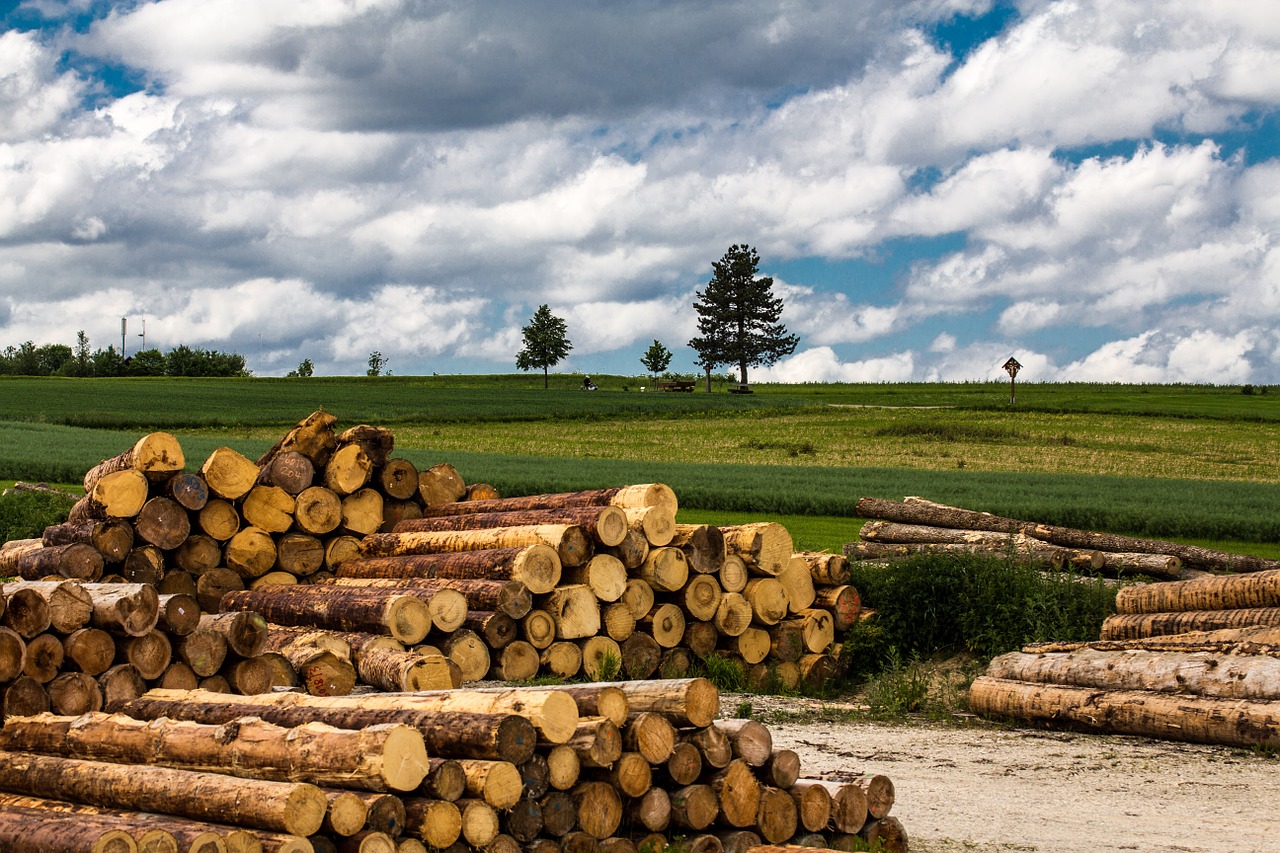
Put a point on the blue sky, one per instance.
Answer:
(1092, 186)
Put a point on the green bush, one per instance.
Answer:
(944, 604)
(25, 515)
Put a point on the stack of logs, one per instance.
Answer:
(1195, 660)
(900, 529)
(584, 769)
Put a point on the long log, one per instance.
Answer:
(537, 566)
(1230, 592)
(1254, 640)
(112, 538)
(1128, 626)
(1196, 719)
(404, 617)
(552, 712)
(607, 524)
(75, 560)
(507, 596)
(157, 455)
(119, 494)
(378, 758)
(1197, 673)
(572, 543)
(649, 494)
(131, 609)
(292, 807)
(313, 437)
(451, 734)
(66, 832)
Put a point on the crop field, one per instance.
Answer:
(1195, 463)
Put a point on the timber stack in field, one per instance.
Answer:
(899, 529)
(1195, 660)
(594, 767)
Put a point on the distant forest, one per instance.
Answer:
(27, 359)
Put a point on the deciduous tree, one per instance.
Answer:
(657, 358)
(546, 341)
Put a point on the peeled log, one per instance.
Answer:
(552, 712)
(343, 608)
(571, 542)
(607, 524)
(292, 807)
(1196, 719)
(157, 455)
(452, 734)
(377, 758)
(1197, 673)
(537, 566)
(649, 494)
(1229, 592)
(1131, 626)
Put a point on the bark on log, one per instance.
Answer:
(441, 484)
(1130, 626)
(245, 631)
(649, 494)
(13, 654)
(124, 609)
(69, 605)
(292, 807)
(1196, 719)
(1230, 592)
(404, 617)
(112, 538)
(377, 758)
(606, 524)
(157, 455)
(703, 546)
(506, 596)
(552, 712)
(571, 542)
(76, 560)
(537, 566)
(36, 829)
(313, 437)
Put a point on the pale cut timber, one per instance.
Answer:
(119, 494)
(657, 524)
(604, 573)
(377, 758)
(436, 822)
(537, 566)
(452, 734)
(600, 655)
(270, 508)
(251, 552)
(636, 496)
(313, 437)
(1196, 719)
(733, 615)
(599, 808)
(362, 512)
(797, 583)
(733, 574)
(765, 546)
(665, 569)
(575, 610)
(638, 597)
(750, 739)
(219, 519)
(665, 623)
(842, 602)
(684, 701)
(292, 807)
(701, 597)
(157, 455)
(607, 524)
(229, 474)
(317, 510)
(738, 791)
(554, 713)
(1130, 626)
(571, 542)
(826, 569)
(1229, 592)
(1196, 673)
(347, 470)
(124, 608)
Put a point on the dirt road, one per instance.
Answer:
(965, 789)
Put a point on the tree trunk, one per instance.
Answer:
(377, 758)
(768, 599)
(733, 616)
(157, 455)
(1196, 719)
(245, 631)
(765, 547)
(604, 573)
(797, 584)
(441, 484)
(638, 597)
(518, 661)
(89, 650)
(398, 479)
(228, 474)
(290, 471)
(632, 551)
(22, 697)
(506, 596)
(553, 712)
(537, 566)
(641, 655)
(43, 658)
(124, 608)
(112, 538)
(299, 554)
(665, 570)
(665, 623)
(1130, 626)
(701, 597)
(37, 829)
(694, 807)
(198, 554)
(76, 560)
(636, 496)
(13, 654)
(563, 659)
(616, 621)
(599, 808)
(1229, 592)
(150, 654)
(750, 740)
(269, 508)
(74, 693)
(404, 617)
(575, 610)
(362, 512)
(702, 544)
(571, 542)
(69, 606)
(119, 494)
(219, 519)
(313, 437)
(842, 602)
(391, 670)
(162, 522)
(607, 524)
(291, 807)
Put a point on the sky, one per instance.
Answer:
(1089, 186)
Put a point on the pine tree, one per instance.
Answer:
(545, 342)
(738, 317)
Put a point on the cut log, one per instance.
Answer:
(750, 740)
(12, 551)
(251, 552)
(398, 479)
(290, 471)
(575, 610)
(497, 783)
(445, 781)
(150, 653)
(162, 522)
(1230, 592)
(497, 629)
(649, 494)
(797, 583)
(765, 547)
(377, 758)
(112, 538)
(768, 600)
(157, 455)
(684, 701)
(396, 511)
(299, 554)
(813, 805)
(606, 524)
(572, 543)
(245, 631)
(441, 484)
(74, 693)
(537, 566)
(124, 609)
(733, 615)
(290, 807)
(604, 573)
(43, 658)
(562, 659)
(436, 822)
(213, 585)
(1130, 626)
(617, 622)
(229, 474)
(13, 655)
(597, 742)
(738, 791)
(188, 489)
(479, 822)
(656, 524)
(313, 437)
(77, 561)
(339, 549)
(392, 670)
(601, 657)
(362, 512)
(317, 510)
(469, 653)
(665, 623)
(733, 574)
(665, 569)
(599, 808)
(204, 650)
(219, 519)
(651, 811)
(638, 597)
(701, 596)
(510, 597)
(404, 617)
(269, 508)
(702, 544)
(348, 470)
(119, 494)
(88, 650)
(1196, 719)
(198, 553)
(651, 735)
(518, 661)
(345, 812)
(66, 832)
(69, 605)
(694, 807)
(842, 602)
(632, 551)
(641, 655)
(23, 696)
(826, 569)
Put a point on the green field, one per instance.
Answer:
(1185, 462)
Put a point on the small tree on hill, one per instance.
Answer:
(657, 358)
(546, 341)
(376, 364)
(738, 316)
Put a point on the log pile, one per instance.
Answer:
(1195, 660)
(614, 766)
(899, 529)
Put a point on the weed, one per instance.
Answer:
(25, 515)
(725, 674)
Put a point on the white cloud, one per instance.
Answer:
(1194, 355)
(821, 364)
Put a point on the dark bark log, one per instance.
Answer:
(188, 489)
(537, 566)
(112, 538)
(76, 560)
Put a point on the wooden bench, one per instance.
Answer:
(740, 389)
(676, 385)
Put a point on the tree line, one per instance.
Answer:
(28, 359)
(738, 325)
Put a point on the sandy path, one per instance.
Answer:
(990, 789)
